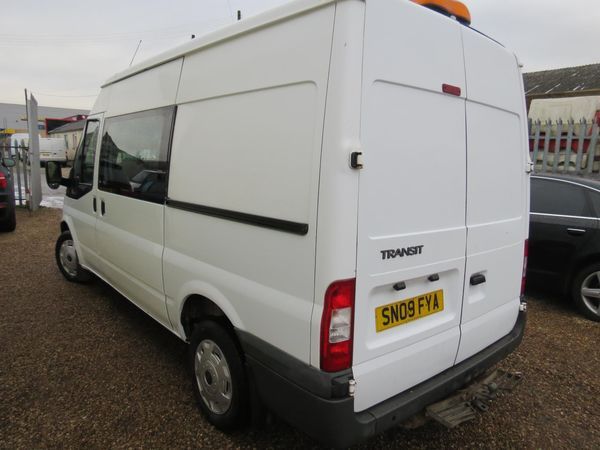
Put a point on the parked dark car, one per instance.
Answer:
(8, 218)
(564, 238)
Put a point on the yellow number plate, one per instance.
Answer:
(404, 311)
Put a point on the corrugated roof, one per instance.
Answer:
(565, 80)
(71, 126)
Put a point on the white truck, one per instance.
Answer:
(274, 193)
(51, 149)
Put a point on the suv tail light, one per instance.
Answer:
(3, 182)
(337, 326)
(524, 275)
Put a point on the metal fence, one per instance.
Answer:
(18, 152)
(565, 147)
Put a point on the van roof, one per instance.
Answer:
(235, 29)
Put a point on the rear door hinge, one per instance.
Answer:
(529, 167)
(356, 161)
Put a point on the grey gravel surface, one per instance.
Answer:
(80, 367)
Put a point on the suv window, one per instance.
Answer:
(134, 154)
(558, 197)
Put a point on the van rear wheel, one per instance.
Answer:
(218, 376)
(67, 260)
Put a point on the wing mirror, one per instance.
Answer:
(54, 176)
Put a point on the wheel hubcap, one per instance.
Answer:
(68, 257)
(213, 377)
(590, 292)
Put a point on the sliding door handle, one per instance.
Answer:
(478, 278)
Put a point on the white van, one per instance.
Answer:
(51, 149)
(311, 198)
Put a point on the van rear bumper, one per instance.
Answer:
(296, 394)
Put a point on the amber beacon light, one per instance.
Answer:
(449, 8)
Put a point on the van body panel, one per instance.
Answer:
(284, 190)
(272, 303)
(130, 254)
(338, 182)
(146, 90)
(403, 368)
(412, 195)
(490, 326)
(497, 214)
(238, 72)
(274, 108)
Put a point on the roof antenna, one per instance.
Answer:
(239, 14)
(135, 53)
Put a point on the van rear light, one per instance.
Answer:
(524, 275)
(3, 182)
(337, 326)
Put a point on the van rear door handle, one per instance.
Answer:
(575, 231)
(478, 278)
(94, 204)
(102, 207)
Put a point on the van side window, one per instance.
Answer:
(83, 167)
(134, 154)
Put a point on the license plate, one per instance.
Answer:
(404, 311)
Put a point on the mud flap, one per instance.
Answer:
(466, 403)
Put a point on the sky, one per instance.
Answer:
(62, 51)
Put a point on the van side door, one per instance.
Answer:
(132, 181)
(80, 205)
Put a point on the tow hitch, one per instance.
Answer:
(464, 405)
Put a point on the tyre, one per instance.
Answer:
(67, 260)
(586, 292)
(10, 224)
(218, 376)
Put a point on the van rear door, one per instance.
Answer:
(411, 224)
(497, 186)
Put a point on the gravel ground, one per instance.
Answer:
(80, 367)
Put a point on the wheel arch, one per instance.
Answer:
(196, 307)
(66, 224)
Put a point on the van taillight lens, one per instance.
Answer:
(3, 182)
(524, 275)
(337, 327)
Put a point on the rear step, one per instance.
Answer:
(464, 405)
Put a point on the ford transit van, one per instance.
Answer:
(312, 199)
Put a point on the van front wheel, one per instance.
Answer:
(218, 376)
(67, 260)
